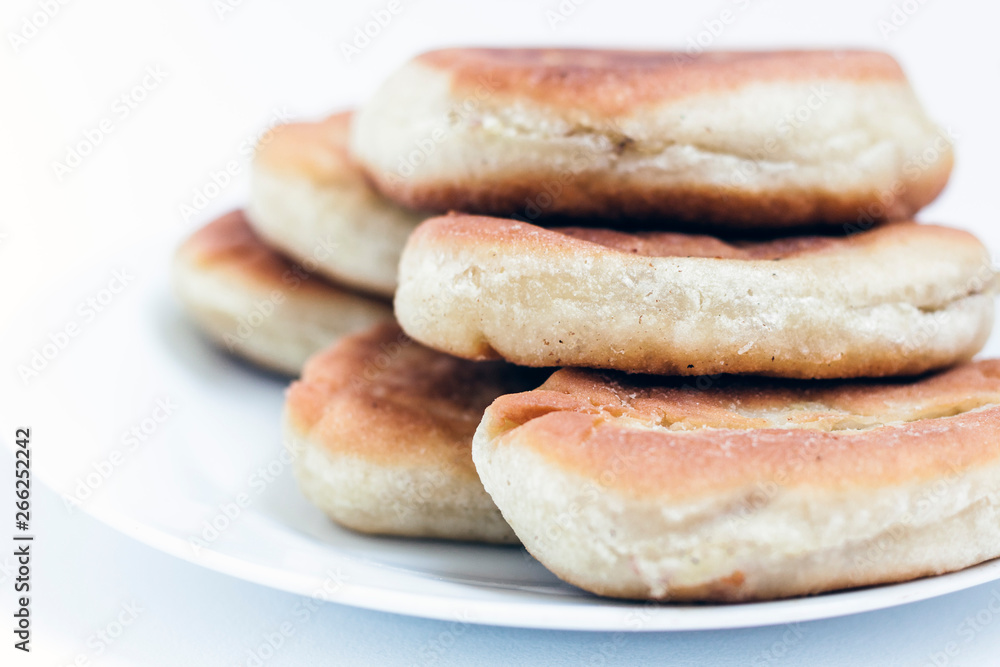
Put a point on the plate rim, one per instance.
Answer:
(585, 618)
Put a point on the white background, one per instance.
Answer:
(229, 69)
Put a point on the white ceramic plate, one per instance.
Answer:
(218, 458)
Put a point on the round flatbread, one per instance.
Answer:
(752, 140)
(900, 299)
(381, 428)
(308, 198)
(734, 490)
(259, 305)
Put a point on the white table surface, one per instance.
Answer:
(227, 74)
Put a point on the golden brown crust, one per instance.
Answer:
(671, 439)
(614, 82)
(229, 244)
(696, 207)
(667, 244)
(309, 199)
(317, 151)
(381, 397)
(511, 235)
